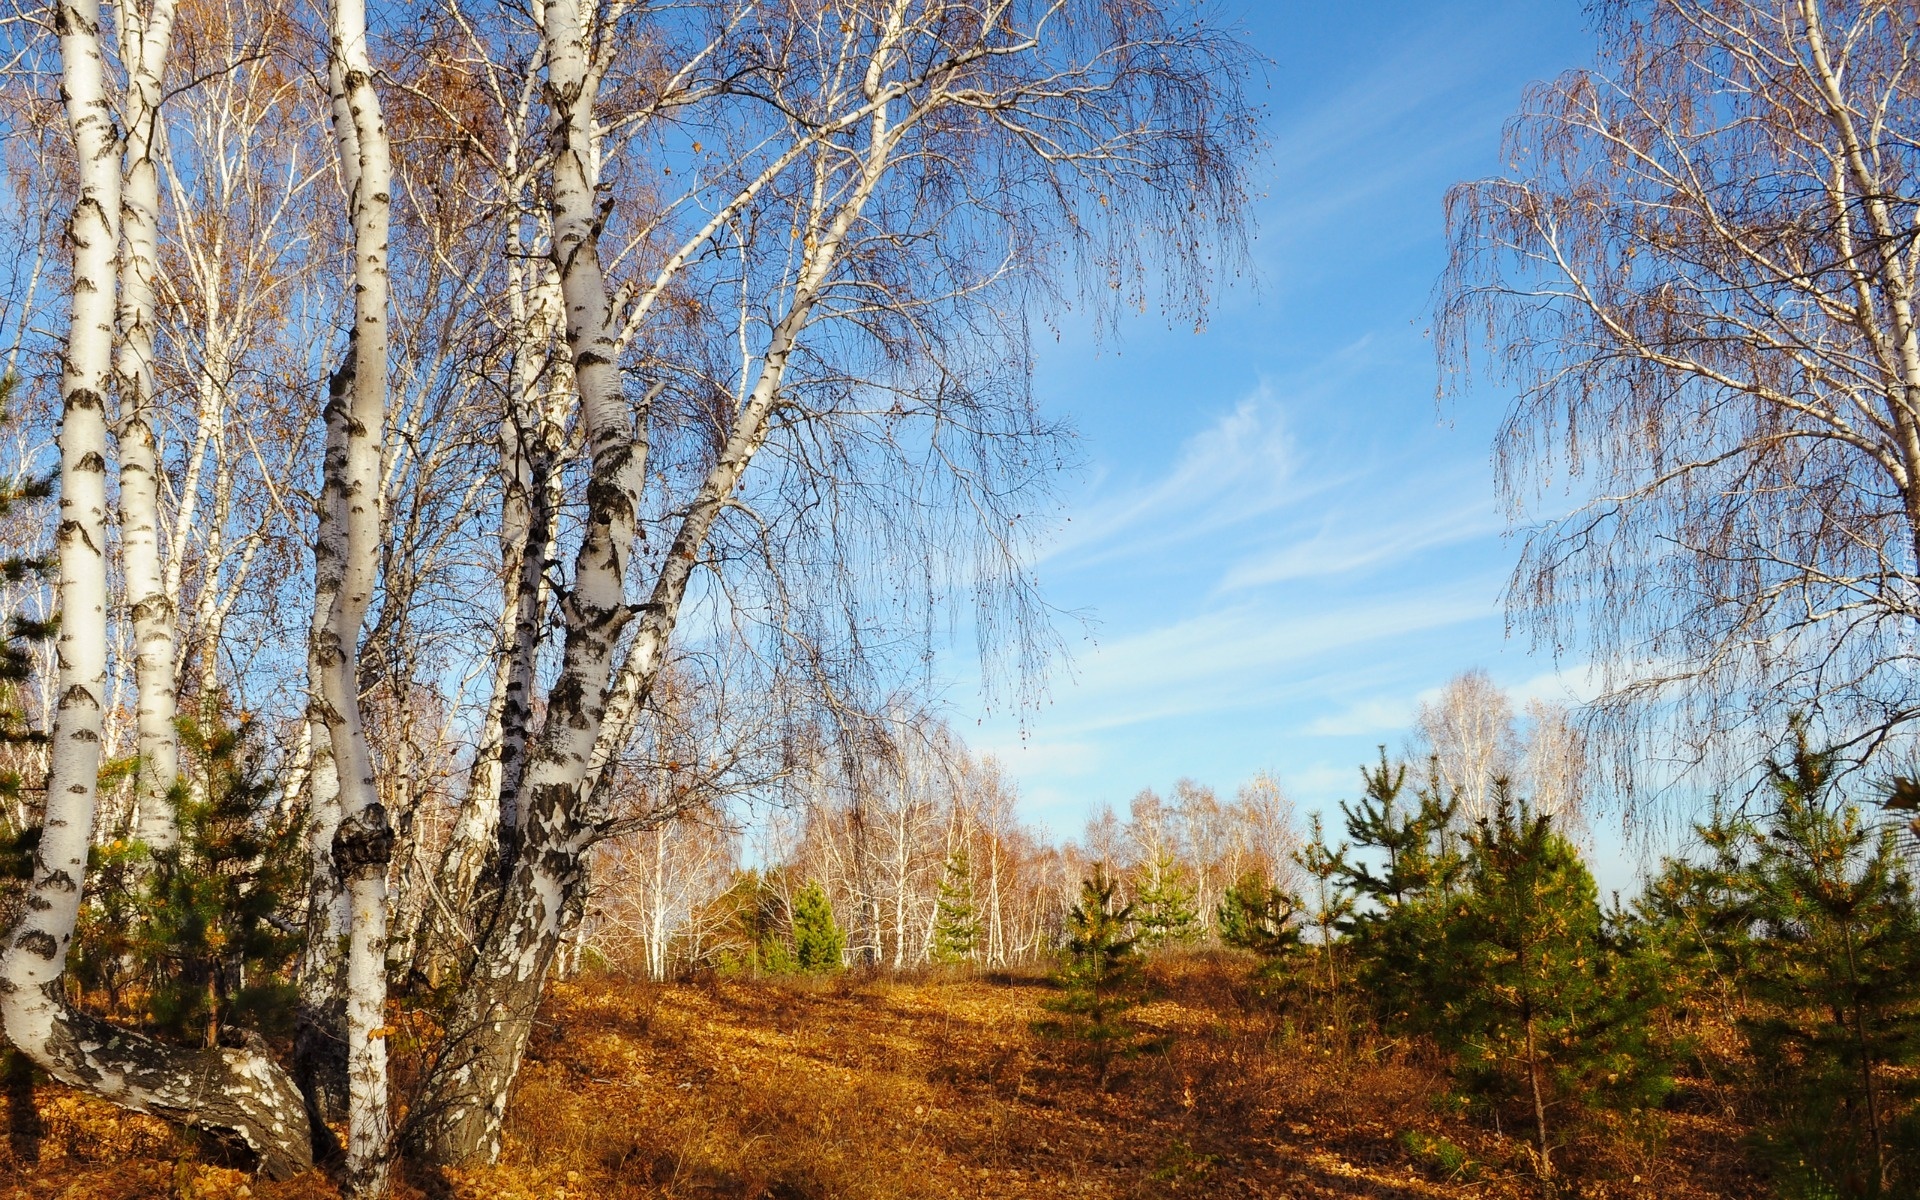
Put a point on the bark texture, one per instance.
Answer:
(589, 710)
(240, 1091)
(362, 843)
(146, 35)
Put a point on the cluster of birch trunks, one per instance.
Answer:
(459, 387)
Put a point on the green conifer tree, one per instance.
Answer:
(1530, 998)
(818, 942)
(213, 931)
(1696, 916)
(737, 918)
(956, 929)
(1099, 973)
(1163, 907)
(1332, 907)
(1835, 971)
(1255, 915)
(1418, 857)
(1397, 936)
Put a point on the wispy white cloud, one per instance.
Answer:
(1317, 785)
(1065, 758)
(1245, 656)
(1394, 711)
(1347, 542)
(1240, 468)
(1574, 683)
(1377, 716)
(1241, 501)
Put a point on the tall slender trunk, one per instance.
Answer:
(319, 1040)
(238, 1090)
(466, 1095)
(145, 37)
(996, 934)
(350, 531)
(1871, 1094)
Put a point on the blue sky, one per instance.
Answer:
(1283, 540)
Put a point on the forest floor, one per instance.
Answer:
(888, 1088)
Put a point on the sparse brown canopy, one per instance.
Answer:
(1697, 276)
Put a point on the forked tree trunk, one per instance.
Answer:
(239, 1091)
(459, 1116)
(477, 852)
(591, 707)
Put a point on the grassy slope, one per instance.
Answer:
(936, 1087)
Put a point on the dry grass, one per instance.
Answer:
(935, 1087)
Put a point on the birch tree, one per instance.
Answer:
(146, 36)
(241, 1090)
(888, 143)
(347, 555)
(1467, 733)
(1698, 273)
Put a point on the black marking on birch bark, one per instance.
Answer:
(219, 1089)
(59, 879)
(39, 942)
(364, 842)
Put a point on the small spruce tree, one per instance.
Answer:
(956, 929)
(1331, 909)
(1099, 973)
(1396, 936)
(1255, 915)
(212, 932)
(1529, 997)
(1835, 971)
(818, 942)
(1697, 917)
(1163, 908)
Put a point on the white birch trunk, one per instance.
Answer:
(484, 835)
(464, 1100)
(238, 1090)
(145, 38)
(356, 419)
